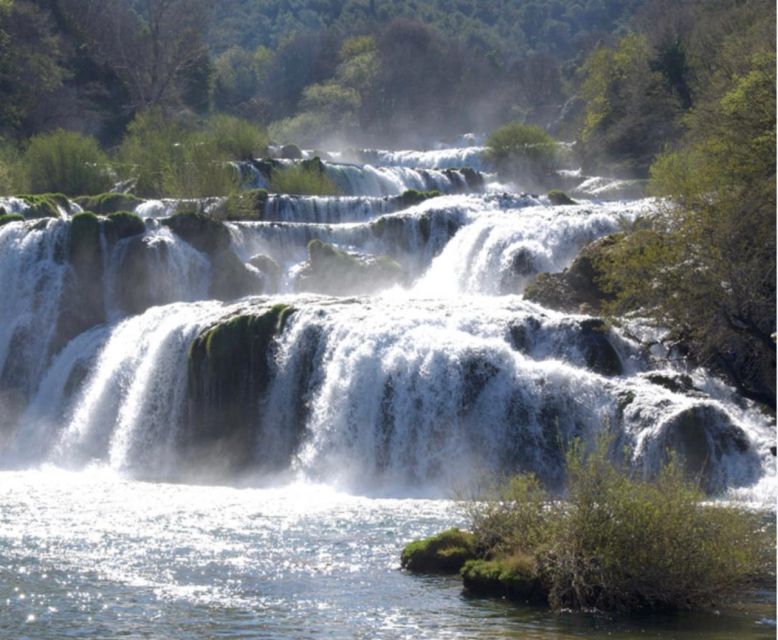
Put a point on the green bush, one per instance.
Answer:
(302, 180)
(13, 177)
(626, 543)
(67, 162)
(618, 542)
(522, 151)
(238, 139)
(199, 169)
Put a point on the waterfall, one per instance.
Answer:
(423, 382)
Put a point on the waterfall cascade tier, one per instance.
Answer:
(363, 341)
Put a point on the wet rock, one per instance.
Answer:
(230, 368)
(577, 285)
(675, 382)
(338, 273)
(702, 435)
(601, 356)
(83, 305)
(291, 152)
(121, 225)
(106, 203)
(557, 197)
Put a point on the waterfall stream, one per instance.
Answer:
(410, 387)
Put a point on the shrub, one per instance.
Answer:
(522, 151)
(616, 542)
(626, 543)
(67, 162)
(238, 139)
(301, 180)
(169, 158)
(13, 177)
(199, 169)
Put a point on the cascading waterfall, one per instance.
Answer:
(416, 387)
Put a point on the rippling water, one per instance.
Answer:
(90, 554)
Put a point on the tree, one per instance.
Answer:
(157, 47)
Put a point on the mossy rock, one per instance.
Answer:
(291, 152)
(558, 197)
(336, 272)
(411, 197)
(106, 203)
(577, 287)
(269, 268)
(203, 233)
(445, 552)
(314, 165)
(246, 205)
(230, 368)
(10, 217)
(82, 305)
(515, 578)
(45, 205)
(123, 224)
(601, 356)
(230, 278)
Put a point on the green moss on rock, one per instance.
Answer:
(123, 224)
(515, 577)
(230, 367)
(10, 217)
(45, 205)
(203, 233)
(445, 552)
(339, 273)
(106, 203)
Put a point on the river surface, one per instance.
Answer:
(91, 555)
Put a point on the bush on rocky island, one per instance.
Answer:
(614, 541)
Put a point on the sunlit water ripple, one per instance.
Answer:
(90, 554)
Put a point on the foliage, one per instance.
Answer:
(13, 177)
(67, 162)
(625, 543)
(302, 180)
(618, 542)
(630, 111)
(171, 158)
(705, 268)
(237, 139)
(521, 150)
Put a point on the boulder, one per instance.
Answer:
(230, 368)
(338, 273)
(291, 152)
(106, 203)
(445, 552)
(577, 286)
(515, 578)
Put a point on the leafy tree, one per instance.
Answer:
(522, 151)
(706, 268)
